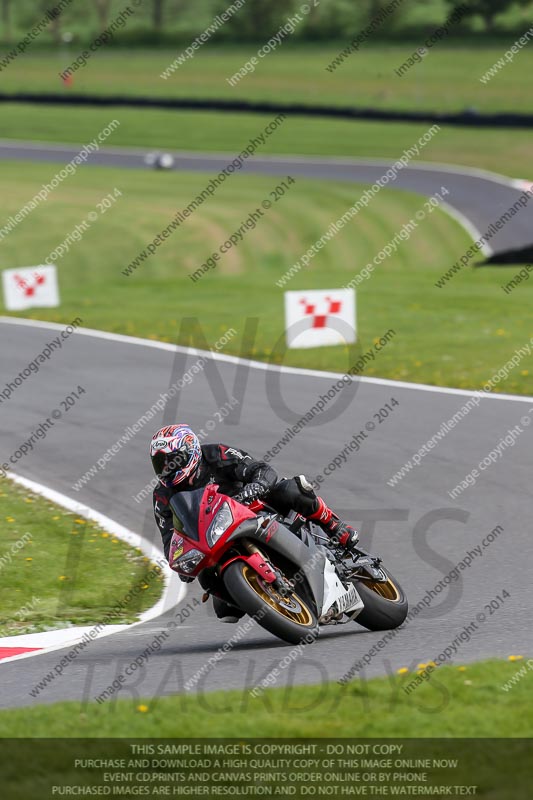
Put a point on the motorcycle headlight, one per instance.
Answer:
(220, 524)
(189, 561)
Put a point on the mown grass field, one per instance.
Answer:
(503, 151)
(456, 702)
(455, 336)
(446, 80)
(58, 569)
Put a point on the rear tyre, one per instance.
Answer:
(385, 604)
(288, 618)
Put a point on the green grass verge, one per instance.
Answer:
(454, 702)
(503, 151)
(59, 569)
(456, 336)
(446, 80)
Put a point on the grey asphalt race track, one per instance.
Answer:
(481, 198)
(415, 526)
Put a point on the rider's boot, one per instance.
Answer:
(339, 532)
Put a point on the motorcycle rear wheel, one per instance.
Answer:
(288, 618)
(385, 606)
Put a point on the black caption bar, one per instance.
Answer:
(245, 767)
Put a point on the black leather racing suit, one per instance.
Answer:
(232, 469)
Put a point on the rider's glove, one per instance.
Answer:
(250, 492)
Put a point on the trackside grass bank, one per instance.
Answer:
(460, 336)
(57, 569)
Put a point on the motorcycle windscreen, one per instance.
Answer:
(186, 512)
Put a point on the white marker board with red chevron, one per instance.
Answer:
(318, 318)
(30, 287)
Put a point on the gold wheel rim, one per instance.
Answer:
(297, 611)
(386, 589)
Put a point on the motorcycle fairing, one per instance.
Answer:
(306, 557)
(345, 600)
(193, 512)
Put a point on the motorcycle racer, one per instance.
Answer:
(181, 463)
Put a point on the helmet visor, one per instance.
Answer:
(167, 464)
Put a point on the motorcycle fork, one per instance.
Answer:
(281, 584)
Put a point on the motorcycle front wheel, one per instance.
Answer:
(288, 618)
(385, 603)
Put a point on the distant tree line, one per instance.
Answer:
(176, 20)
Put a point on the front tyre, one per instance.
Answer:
(385, 603)
(288, 618)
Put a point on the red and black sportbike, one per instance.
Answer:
(282, 571)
